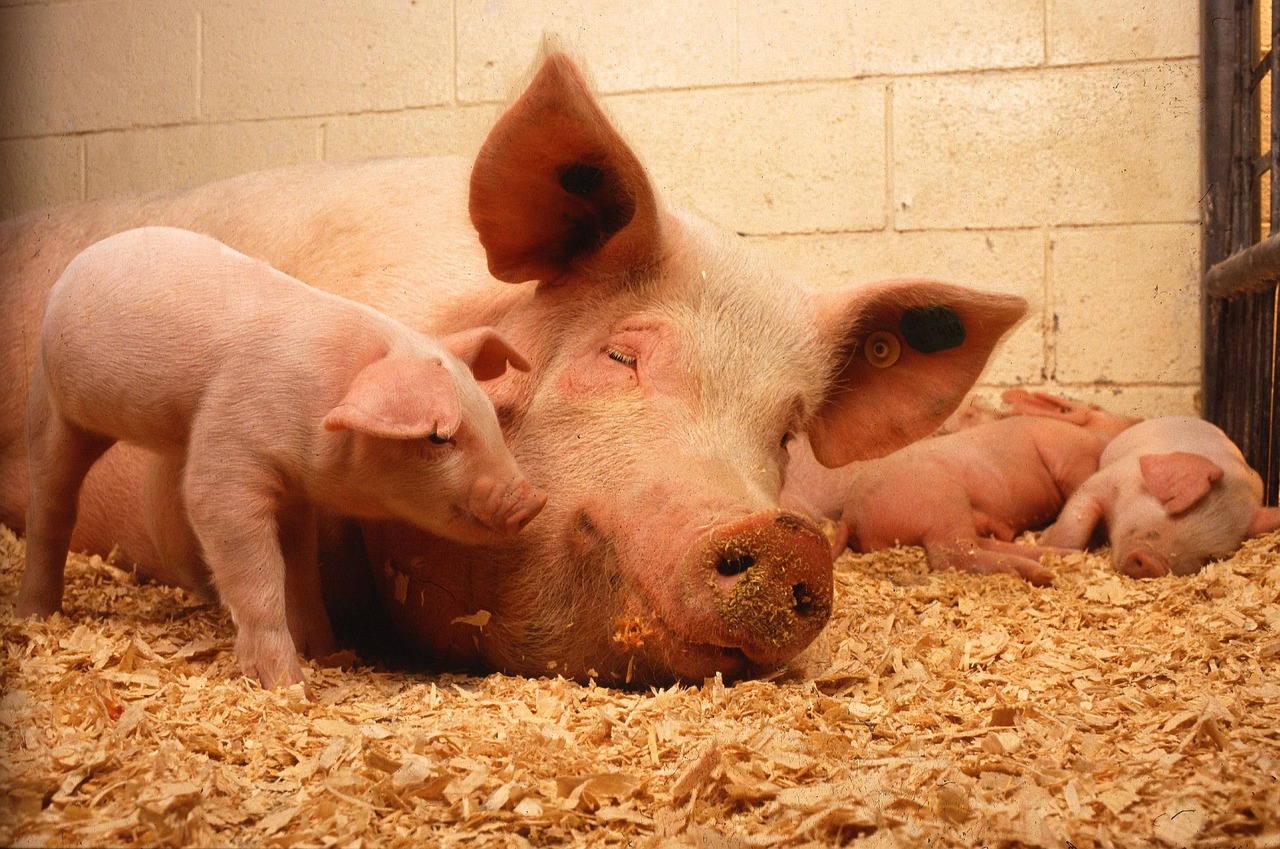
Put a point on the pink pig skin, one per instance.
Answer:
(1173, 493)
(951, 494)
(1020, 402)
(995, 474)
(669, 366)
(265, 399)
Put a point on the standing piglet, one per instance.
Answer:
(965, 495)
(1174, 493)
(268, 400)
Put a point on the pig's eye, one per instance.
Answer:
(628, 360)
(437, 439)
(786, 437)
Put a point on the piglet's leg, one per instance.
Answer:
(304, 602)
(989, 526)
(1074, 527)
(59, 456)
(1021, 550)
(232, 510)
(980, 557)
(168, 523)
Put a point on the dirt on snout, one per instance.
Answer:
(772, 597)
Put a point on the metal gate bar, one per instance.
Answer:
(1241, 268)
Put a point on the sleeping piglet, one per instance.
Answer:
(268, 400)
(965, 495)
(1173, 493)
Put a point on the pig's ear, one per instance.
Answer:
(1024, 403)
(907, 351)
(1265, 520)
(485, 351)
(1179, 479)
(556, 190)
(399, 398)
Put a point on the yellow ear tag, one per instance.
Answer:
(882, 349)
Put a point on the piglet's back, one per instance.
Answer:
(141, 322)
(1175, 433)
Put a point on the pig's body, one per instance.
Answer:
(1173, 494)
(964, 495)
(264, 399)
(669, 366)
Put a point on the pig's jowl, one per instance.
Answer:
(669, 370)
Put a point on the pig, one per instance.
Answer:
(270, 400)
(1020, 402)
(1173, 493)
(670, 368)
(965, 495)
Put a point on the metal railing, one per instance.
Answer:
(1241, 301)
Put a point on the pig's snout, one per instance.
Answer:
(770, 577)
(505, 506)
(1144, 564)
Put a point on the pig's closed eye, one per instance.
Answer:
(628, 360)
(437, 439)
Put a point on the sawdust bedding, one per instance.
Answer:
(935, 710)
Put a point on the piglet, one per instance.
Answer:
(1173, 493)
(965, 495)
(271, 400)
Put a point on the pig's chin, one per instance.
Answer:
(654, 644)
(667, 653)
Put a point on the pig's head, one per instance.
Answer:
(1188, 512)
(424, 443)
(670, 370)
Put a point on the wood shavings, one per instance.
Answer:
(479, 619)
(631, 632)
(937, 709)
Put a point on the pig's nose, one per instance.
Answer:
(1144, 564)
(528, 503)
(770, 575)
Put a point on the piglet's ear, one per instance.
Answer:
(485, 351)
(556, 190)
(1265, 520)
(1179, 479)
(906, 352)
(399, 398)
(1024, 403)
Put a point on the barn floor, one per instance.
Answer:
(936, 710)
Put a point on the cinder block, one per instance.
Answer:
(176, 157)
(1009, 261)
(1110, 30)
(626, 45)
(75, 67)
(1146, 401)
(819, 39)
(456, 131)
(766, 160)
(1061, 146)
(38, 172)
(1127, 300)
(295, 57)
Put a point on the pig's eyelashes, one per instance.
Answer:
(628, 360)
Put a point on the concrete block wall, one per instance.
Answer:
(1044, 147)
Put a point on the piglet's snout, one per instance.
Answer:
(771, 580)
(1144, 564)
(505, 506)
